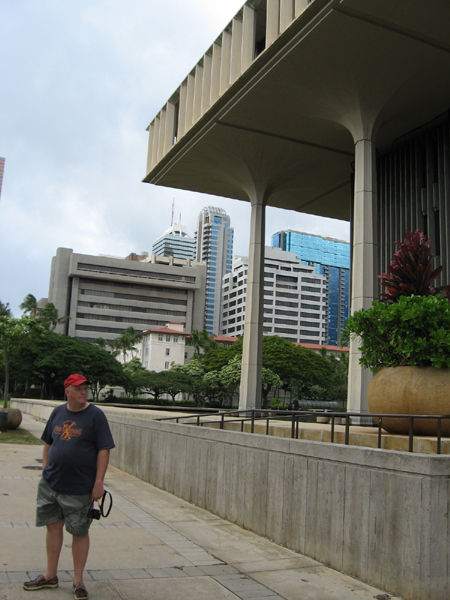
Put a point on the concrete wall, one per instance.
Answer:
(377, 515)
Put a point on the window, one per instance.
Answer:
(175, 338)
(218, 220)
(166, 365)
(160, 337)
(167, 338)
(167, 351)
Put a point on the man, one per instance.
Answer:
(76, 454)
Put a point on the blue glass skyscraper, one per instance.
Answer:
(214, 246)
(330, 257)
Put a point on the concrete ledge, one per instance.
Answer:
(380, 516)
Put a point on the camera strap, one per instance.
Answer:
(101, 505)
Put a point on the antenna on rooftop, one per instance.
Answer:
(173, 206)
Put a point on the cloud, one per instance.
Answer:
(84, 79)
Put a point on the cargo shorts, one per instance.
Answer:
(52, 506)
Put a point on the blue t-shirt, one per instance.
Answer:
(75, 440)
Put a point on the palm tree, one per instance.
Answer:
(29, 305)
(5, 311)
(49, 316)
(198, 339)
(126, 341)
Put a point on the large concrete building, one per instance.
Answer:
(214, 238)
(294, 299)
(338, 108)
(331, 258)
(175, 242)
(104, 295)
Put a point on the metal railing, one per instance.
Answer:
(296, 417)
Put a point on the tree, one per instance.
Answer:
(126, 341)
(58, 355)
(5, 310)
(137, 377)
(15, 334)
(198, 339)
(194, 373)
(49, 316)
(215, 359)
(29, 305)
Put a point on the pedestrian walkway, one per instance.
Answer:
(153, 545)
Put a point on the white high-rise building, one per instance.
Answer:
(175, 242)
(294, 298)
(214, 238)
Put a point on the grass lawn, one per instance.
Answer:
(18, 436)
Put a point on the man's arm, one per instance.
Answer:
(45, 455)
(102, 465)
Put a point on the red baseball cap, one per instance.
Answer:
(75, 380)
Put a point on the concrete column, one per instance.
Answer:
(151, 130)
(273, 21)
(248, 37)
(155, 141)
(198, 87)
(170, 127)
(225, 63)
(182, 111)
(300, 6)
(251, 374)
(236, 50)
(189, 118)
(286, 14)
(162, 131)
(215, 72)
(206, 88)
(364, 263)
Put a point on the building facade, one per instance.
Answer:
(214, 244)
(105, 295)
(294, 298)
(159, 348)
(175, 242)
(331, 258)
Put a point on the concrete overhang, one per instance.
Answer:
(343, 71)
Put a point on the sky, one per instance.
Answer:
(80, 82)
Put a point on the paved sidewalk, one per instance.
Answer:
(153, 545)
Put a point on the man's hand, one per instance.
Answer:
(97, 491)
(102, 464)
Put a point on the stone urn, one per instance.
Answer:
(14, 418)
(411, 391)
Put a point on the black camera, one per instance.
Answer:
(95, 513)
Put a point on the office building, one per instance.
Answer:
(294, 298)
(214, 244)
(104, 295)
(331, 258)
(175, 242)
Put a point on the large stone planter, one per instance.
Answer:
(411, 391)
(14, 418)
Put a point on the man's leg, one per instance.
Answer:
(54, 542)
(80, 551)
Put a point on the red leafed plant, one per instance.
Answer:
(411, 270)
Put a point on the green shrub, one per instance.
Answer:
(414, 331)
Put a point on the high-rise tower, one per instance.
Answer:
(175, 242)
(331, 258)
(214, 238)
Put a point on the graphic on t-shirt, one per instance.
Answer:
(67, 431)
